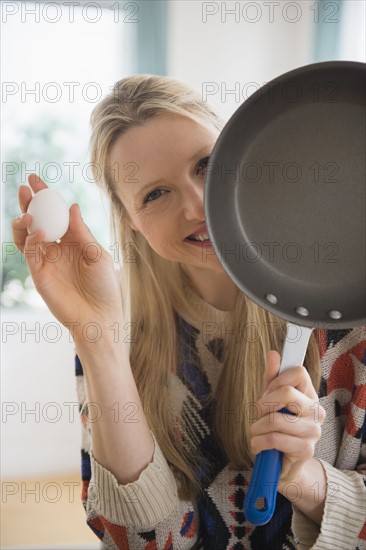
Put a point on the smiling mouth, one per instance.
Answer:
(201, 238)
(198, 243)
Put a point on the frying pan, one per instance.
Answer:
(285, 210)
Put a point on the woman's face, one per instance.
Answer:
(160, 169)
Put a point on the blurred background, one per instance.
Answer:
(58, 60)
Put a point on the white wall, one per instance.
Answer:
(353, 33)
(254, 43)
(37, 373)
(226, 49)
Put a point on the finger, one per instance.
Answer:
(25, 193)
(290, 445)
(298, 377)
(272, 369)
(22, 222)
(19, 230)
(25, 196)
(289, 398)
(36, 183)
(78, 229)
(34, 251)
(299, 426)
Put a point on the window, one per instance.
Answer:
(58, 61)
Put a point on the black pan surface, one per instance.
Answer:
(285, 196)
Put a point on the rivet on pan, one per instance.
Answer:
(271, 298)
(334, 314)
(302, 311)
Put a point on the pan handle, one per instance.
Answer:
(260, 500)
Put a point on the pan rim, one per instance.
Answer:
(220, 144)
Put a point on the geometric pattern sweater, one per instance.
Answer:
(148, 515)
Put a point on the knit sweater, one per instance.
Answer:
(148, 515)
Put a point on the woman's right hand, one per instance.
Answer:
(75, 277)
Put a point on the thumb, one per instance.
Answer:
(272, 369)
(78, 227)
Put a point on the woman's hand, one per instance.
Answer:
(295, 435)
(76, 277)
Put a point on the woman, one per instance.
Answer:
(177, 370)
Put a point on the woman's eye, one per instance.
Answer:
(202, 165)
(153, 195)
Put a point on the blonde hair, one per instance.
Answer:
(154, 352)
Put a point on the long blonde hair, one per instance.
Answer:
(154, 351)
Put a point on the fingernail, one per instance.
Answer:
(21, 216)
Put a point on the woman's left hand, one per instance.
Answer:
(295, 435)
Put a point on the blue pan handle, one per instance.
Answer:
(260, 500)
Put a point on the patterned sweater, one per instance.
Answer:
(148, 515)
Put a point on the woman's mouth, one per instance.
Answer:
(198, 239)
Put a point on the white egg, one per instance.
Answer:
(50, 213)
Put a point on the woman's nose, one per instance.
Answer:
(193, 202)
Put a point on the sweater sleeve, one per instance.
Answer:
(343, 523)
(344, 519)
(135, 515)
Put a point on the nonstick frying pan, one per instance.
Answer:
(285, 209)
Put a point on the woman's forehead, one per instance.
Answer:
(161, 136)
(157, 152)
